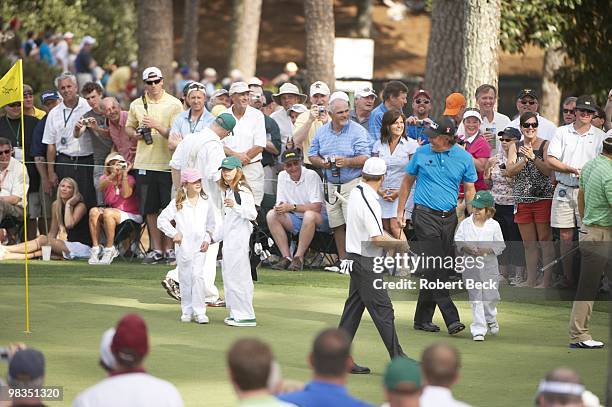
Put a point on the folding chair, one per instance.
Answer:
(132, 232)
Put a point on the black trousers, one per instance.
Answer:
(435, 236)
(81, 170)
(362, 295)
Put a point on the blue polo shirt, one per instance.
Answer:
(375, 122)
(182, 123)
(322, 394)
(416, 133)
(352, 141)
(439, 175)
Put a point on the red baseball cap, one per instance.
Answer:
(420, 92)
(130, 337)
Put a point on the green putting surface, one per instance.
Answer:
(72, 304)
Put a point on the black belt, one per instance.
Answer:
(442, 214)
(77, 157)
(569, 186)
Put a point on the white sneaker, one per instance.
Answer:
(590, 344)
(493, 327)
(108, 255)
(201, 319)
(478, 338)
(94, 255)
(185, 318)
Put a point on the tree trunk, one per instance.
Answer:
(551, 94)
(191, 27)
(444, 52)
(155, 38)
(320, 34)
(245, 32)
(363, 26)
(481, 24)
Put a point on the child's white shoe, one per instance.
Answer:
(185, 318)
(493, 328)
(201, 319)
(478, 338)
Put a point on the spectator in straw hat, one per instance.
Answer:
(287, 96)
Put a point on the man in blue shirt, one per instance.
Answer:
(192, 120)
(421, 108)
(331, 360)
(394, 98)
(340, 147)
(439, 168)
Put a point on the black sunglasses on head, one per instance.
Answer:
(155, 82)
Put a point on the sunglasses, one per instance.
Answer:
(568, 111)
(7, 152)
(585, 111)
(422, 102)
(505, 140)
(528, 102)
(15, 104)
(27, 94)
(597, 117)
(196, 86)
(528, 125)
(155, 82)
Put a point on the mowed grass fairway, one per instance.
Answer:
(72, 303)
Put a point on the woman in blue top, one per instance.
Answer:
(396, 149)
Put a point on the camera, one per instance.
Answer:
(84, 122)
(335, 171)
(255, 96)
(123, 165)
(420, 123)
(322, 109)
(145, 132)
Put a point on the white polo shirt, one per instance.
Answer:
(281, 117)
(59, 130)
(130, 390)
(11, 180)
(500, 122)
(574, 149)
(546, 128)
(308, 189)
(361, 222)
(250, 130)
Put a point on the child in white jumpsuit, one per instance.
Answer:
(239, 210)
(195, 224)
(480, 237)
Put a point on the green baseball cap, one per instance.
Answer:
(402, 375)
(229, 163)
(483, 199)
(226, 120)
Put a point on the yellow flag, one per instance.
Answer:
(11, 88)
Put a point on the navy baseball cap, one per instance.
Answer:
(26, 365)
(49, 95)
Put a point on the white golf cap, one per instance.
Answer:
(472, 113)
(68, 35)
(365, 92)
(151, 72)
(298, 108)
(210, 72)
(288, 89)
(319, 88)
(291, 67)
(88, 40)
(112, 157)
(254, 81)
(238, 87)
(374, 166)
(106, 355)
(196, 86)
(339, 95)
(219, 92)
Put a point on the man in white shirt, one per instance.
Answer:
(492, 121)
(571, 147)
(299, 209)
(68, 156)
(527, 101)
(249, 138)
(130, 385)
(11, 182)
(440, 365)
(287, 96)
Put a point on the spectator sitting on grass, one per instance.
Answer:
(130, 385)
(68, 212)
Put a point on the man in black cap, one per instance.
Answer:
(439, 167)
(527, 101)
(26, 374)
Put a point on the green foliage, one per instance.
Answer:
(112, 23)
(37, 74)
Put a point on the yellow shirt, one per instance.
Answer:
(39, 114)
(301, 120)
(118, 80)
(154, 156)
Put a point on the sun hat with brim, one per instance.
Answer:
(226, 120)
(190, 175)
(113, 157)
(402, 375)
(229, 163)
(289, 89)
(483, 199)
(239, 87)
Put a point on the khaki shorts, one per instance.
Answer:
(35, 205)
(337, 211)
(254, 174)
(564, 211)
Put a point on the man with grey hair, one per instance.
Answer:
(68, 156)
(339, 147)
(364, 104)
(117, 118)
(569, 110)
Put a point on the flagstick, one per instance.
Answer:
(25, 203)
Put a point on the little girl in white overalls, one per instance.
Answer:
(479, 236)
(195, 223)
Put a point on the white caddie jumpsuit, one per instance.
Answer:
(204, 151)
(236, 266)
(196, 224)
(482, 301)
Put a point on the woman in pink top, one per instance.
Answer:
(122, 204)
(476, 145)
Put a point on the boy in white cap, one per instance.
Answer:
(364, 224)
(195, 224)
